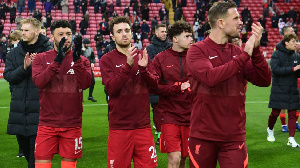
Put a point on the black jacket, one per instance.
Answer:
(284, 91)
(157, 46)
(24, 106)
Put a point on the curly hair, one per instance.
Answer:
(117, 20)
(179, 27)
(219, 10)
(59, 23)
(33, 21)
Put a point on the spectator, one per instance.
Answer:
(236, 41)
(177, 14)
(111, 9)
(132, 2)
(87, 16)
(83, 5)
(295, 29)
(88, 52)
(201, 32)
(64, 6)
(3, 10)
(145, 12)
(31, 5)
(14, 38)
(118, 3)
(96, 6)
(105, 43)
(264, 38)
(3, 48)
(163, 12)
(43, 31)
(292, 13)
(24, 104)
(13, 13)
(66, 109)
(49, 19)
(37, 14)
(289, 22)
(126, 10)
(145, 30)
(283, 16)
(199, 4)
(262, 21)
(104, 27)
(249, 22)
(77, 4)
(244, 33)
(274, 20)
(21, 5)
(154, 22)
(48, 6)
(138, 43)
(73, 25)
(195, 31)
(136, 8)
(265, 9)
(103, 5)
(115, 14)
(281, 24)
(135, 18)
(165, 21)
(137, 35)
(135, 27)
(105, 15)
(18, 21)
(245, 13)
(98, 38)
(83, 25)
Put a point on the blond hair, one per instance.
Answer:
(33, 21)
(16, 35)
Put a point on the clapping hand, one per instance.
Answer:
(78, 46)
(60, 51)
(143, 60)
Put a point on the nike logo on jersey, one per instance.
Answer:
(119, 65)
(48, 63)
(241, 146)
(169, 66)
(210, 57)
(234, 56)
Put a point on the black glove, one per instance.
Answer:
(77, 49)
(60, 51)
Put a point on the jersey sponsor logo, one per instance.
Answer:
(212, 57)
(118, 66)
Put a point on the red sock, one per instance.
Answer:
(282, 118)
(65, 164)
(43, 165)
(297, 116)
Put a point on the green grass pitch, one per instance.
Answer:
(262, 154)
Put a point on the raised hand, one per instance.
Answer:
(143, 60)
(28, 60)
(185, 85)
(257, 31)
(250, 44)
(60, 56)
(130, 54)
(77, 49)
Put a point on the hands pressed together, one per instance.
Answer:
(28, 60)
(143, 59)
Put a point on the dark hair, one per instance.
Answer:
(179, 27)
(159, 25)
(117, 20)
(284, 29)
(219, 10)
(59, 23)
(289, 37)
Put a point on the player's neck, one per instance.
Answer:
(218, 37)
(177, 48)
(122, 49)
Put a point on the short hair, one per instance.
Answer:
(33, 21)
(285, 28)
(219, 10)
(60, 23)
(43, 27)
(289, 37)
(160, 25)
(15, 35)
(179, 27)
(117, 20)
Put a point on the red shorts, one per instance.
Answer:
(205, 153)
(67, 142)
(174, 138)
(125, 145)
